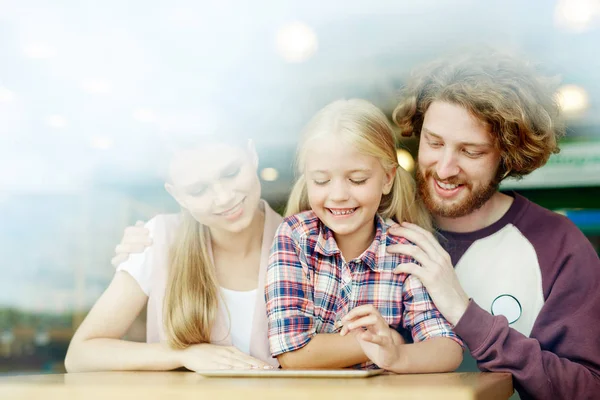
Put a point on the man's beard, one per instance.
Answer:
(475, 200)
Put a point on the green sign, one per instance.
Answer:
(577, 164)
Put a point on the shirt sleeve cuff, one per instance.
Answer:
(475, 326)
(299, 341)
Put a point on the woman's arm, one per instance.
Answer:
(97, 345)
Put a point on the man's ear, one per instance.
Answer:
(389, 180)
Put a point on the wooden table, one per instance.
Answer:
(188, 385)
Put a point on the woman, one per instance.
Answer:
(202, 279)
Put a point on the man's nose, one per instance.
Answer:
(447, 167)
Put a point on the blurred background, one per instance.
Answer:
(88, 90)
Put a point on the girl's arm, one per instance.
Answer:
(440, 354)
(325, 350)
(385, 347)
(290, 311)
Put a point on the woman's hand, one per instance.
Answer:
(206, 356)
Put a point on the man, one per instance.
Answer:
(520, 283)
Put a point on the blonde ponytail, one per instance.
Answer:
(192, 297)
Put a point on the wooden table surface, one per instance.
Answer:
(189, 385)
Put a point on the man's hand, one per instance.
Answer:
(436, 271)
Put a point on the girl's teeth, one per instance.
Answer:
(344, 212)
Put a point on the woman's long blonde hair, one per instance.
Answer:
(364, 126)
(192, 296)
(192, 293)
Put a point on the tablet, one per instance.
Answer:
(290, 373)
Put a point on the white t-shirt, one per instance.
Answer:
(241, 307)
(149, 269)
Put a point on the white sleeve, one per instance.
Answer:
(140, 265)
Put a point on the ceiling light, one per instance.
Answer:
(573, 99)
(269, 174)
(296, 42)
(576, 15)
(405, 159)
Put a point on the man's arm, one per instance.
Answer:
(561, 359)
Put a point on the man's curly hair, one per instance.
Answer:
(509, 95)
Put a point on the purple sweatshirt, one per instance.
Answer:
(534, 269)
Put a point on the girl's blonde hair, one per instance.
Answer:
(364, 126)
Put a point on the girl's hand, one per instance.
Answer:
(379, 342)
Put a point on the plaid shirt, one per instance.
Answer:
(310, 286)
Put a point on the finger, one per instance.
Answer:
(428, 238)
(233, 361)
(144, 240)
(213, 365)
(264, 366)
(136, 230)
(375, 339)
(238, 364)
(421, 241)
(118, 259)
(358, 330)
(359, 311)
(417, 235)
(254, 362)
(367, 321)
(415, 253)
(137, 239)
(410, 269)
(125, 248)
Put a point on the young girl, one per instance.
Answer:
(332, 297)
(202, 278)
